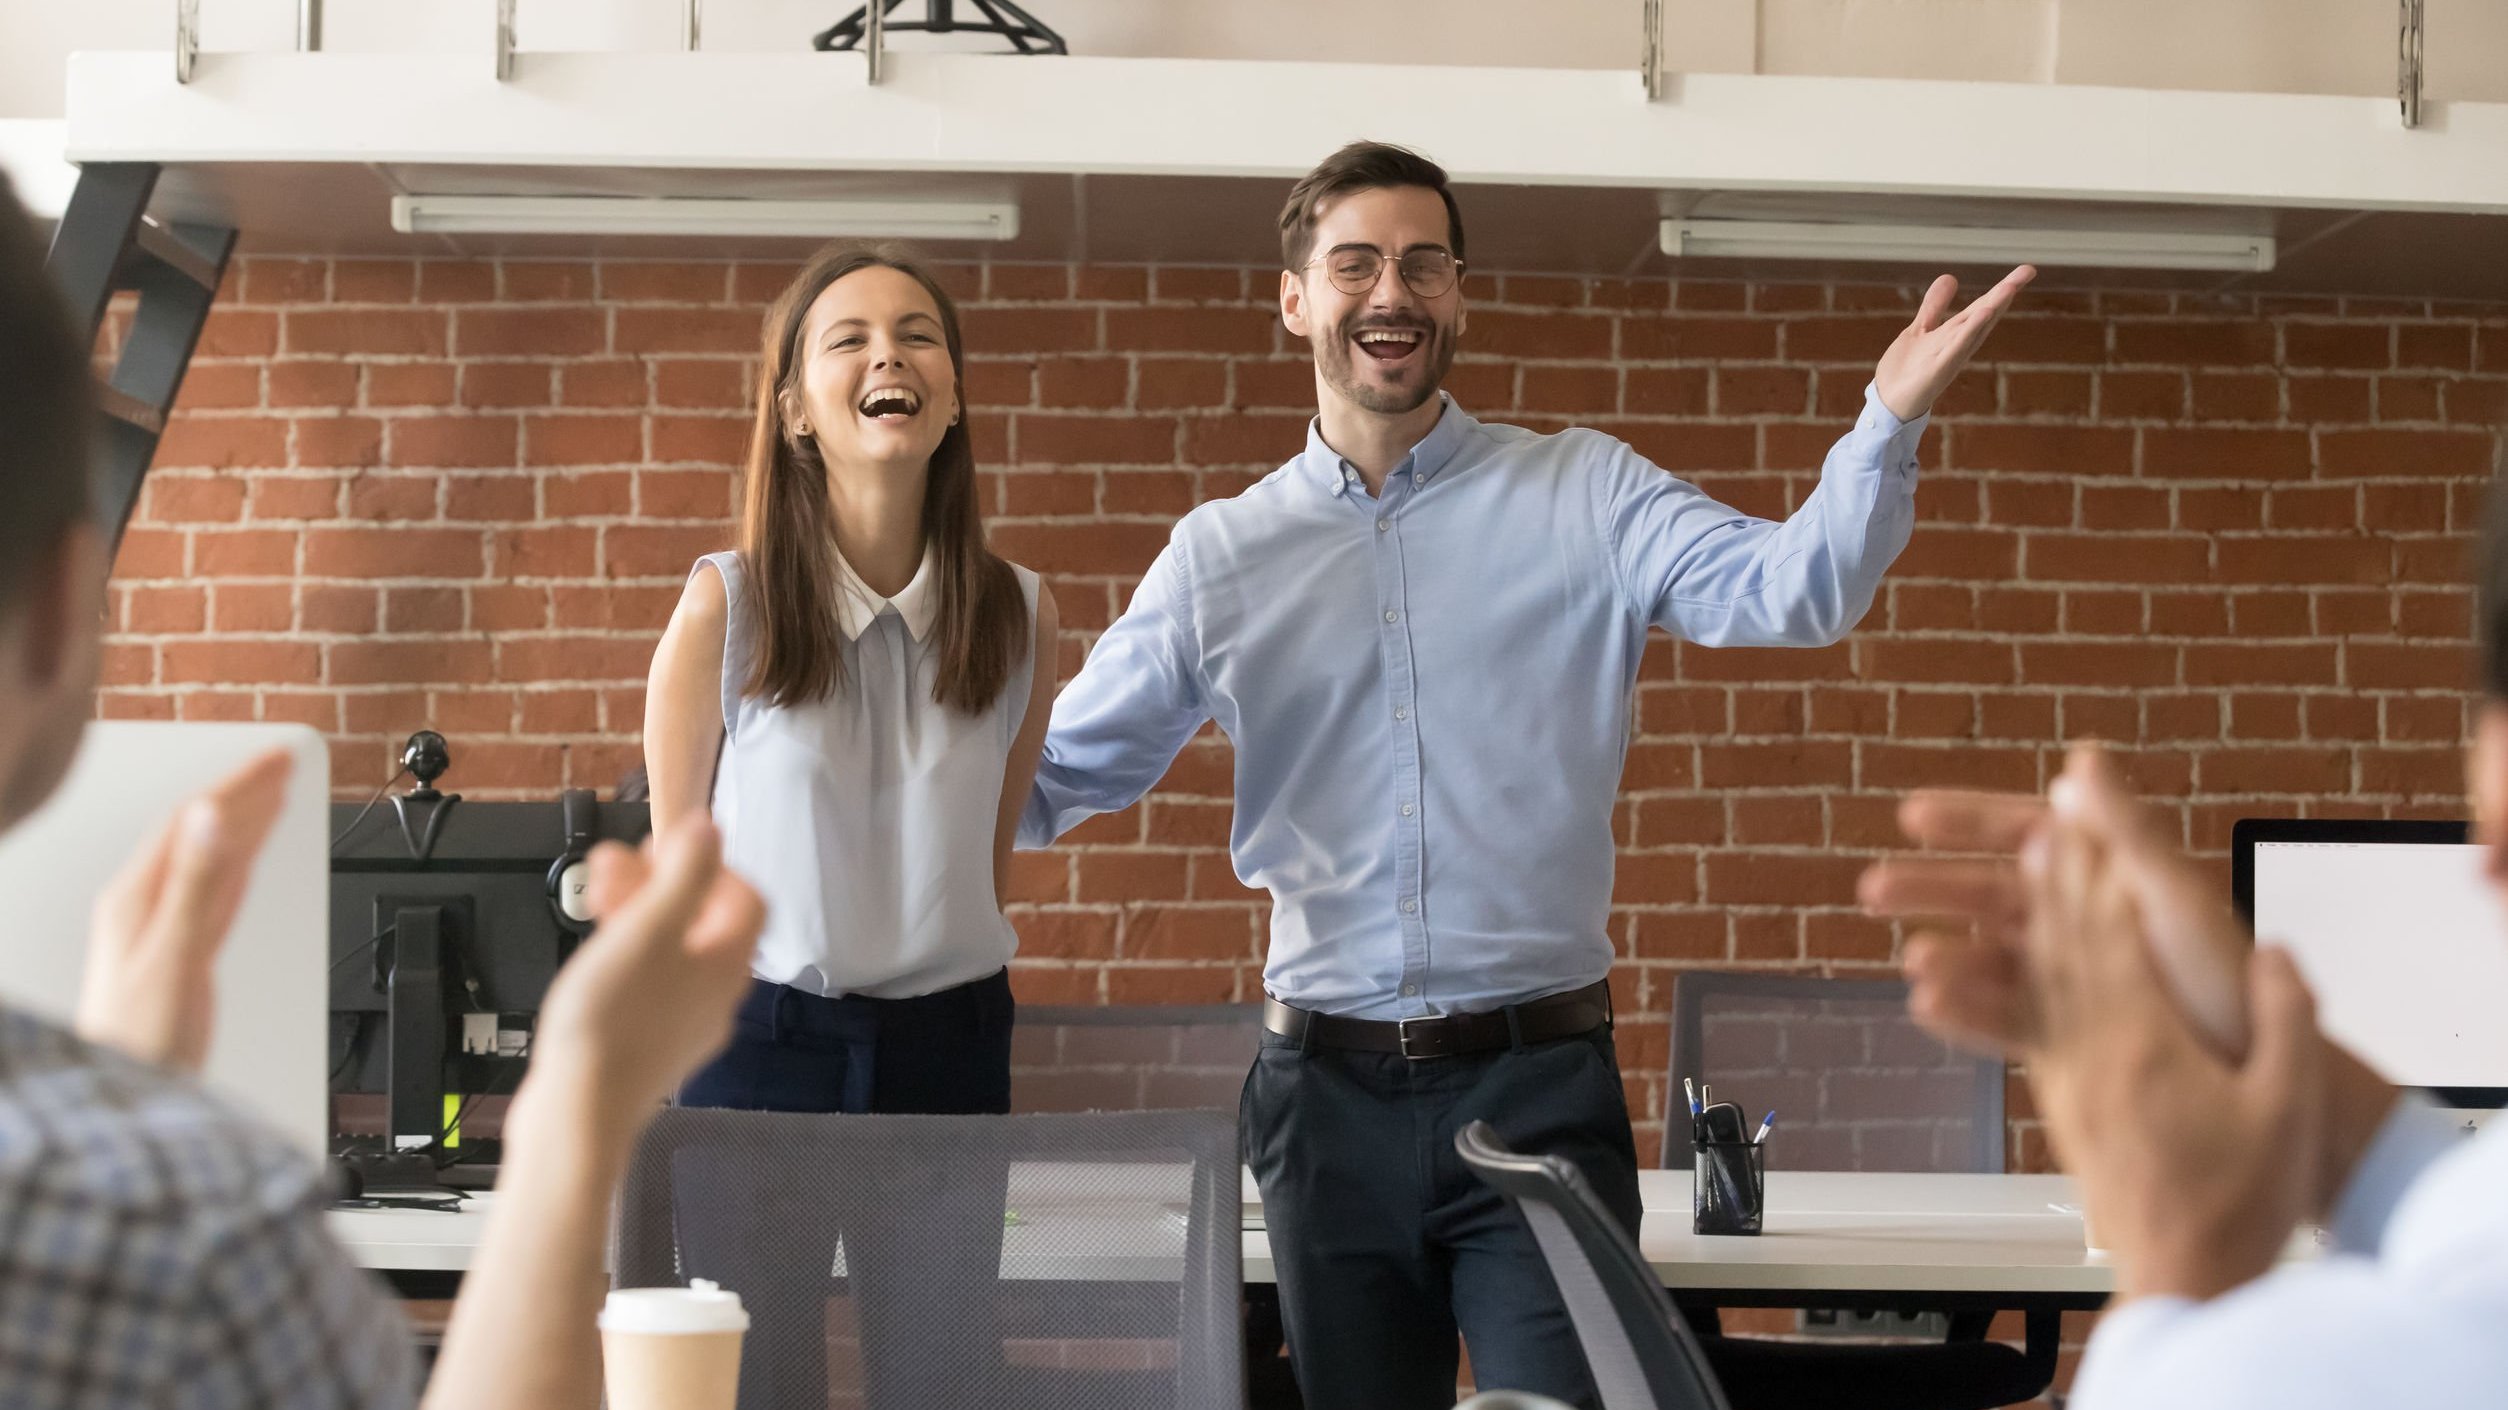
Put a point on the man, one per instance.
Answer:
(1421, 635)
(158, 1249)
(2184, 1083)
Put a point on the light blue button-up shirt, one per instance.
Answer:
(1430, 691)
(2409, 1308)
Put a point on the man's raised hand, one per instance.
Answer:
(1930, 351)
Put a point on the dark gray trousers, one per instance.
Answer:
(1387, 1246)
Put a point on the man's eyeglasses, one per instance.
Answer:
(1354, 269)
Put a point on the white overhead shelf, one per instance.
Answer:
(1186, 158)
(937, 112)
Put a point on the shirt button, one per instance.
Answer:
(1410, 907)
(1383, 524)
(1401, 712)
(1393, 616)
(1406, 810)
(1410, 991)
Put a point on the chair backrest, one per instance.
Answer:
(1081, 1261)
(1132, 1057)
(1642, 1355)
(1855, 1084)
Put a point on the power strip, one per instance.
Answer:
(1840, 1322)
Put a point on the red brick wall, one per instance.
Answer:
(2225, 533)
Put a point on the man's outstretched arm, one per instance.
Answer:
(1711, 574)
(1118, 725)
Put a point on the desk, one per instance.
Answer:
(1907, 1242)
(1832, 1239)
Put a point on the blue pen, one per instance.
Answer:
(1692, 1088)
(1763, 1128)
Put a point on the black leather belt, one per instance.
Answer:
(1567, 1015)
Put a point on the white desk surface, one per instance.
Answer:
(1824, 1232)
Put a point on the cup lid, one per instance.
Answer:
(699, 1307)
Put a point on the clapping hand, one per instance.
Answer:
(153, 943)
(2193, 1167)
(650, 995)
(1968, 983)
(1930, 351)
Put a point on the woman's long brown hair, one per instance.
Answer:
(788, 532)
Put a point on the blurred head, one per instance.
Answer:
(52, 553)
(861, 375)
(1371, 248)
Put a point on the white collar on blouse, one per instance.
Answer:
(857, 607)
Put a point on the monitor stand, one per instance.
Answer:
(404, 1161)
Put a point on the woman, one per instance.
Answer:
(860, 693)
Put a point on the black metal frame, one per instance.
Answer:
(106, 244)
(1026, 33)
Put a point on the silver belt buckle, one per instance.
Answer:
(1403, 1029)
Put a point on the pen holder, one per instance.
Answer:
(1728, 1186)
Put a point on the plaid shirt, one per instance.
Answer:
(157, 1249)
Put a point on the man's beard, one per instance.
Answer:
(1341, 368)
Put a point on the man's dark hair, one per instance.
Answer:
(1361, 166)
(2490, 586)
(46, 408)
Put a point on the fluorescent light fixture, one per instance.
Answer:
(1967, 244)
(675, 215)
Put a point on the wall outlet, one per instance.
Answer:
(1839, 1322)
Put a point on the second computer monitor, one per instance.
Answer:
(2401, 936)
(443, 941)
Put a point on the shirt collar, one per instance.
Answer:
(857, 607)
(1427, 460)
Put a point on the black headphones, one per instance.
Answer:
(570, 876)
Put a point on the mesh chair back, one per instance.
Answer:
(903, 1262)
(1856, 1085)
(1132, 1057)
(1641, 1355)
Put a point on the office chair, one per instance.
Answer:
(1132, 1057)
(1052, 1262)
(1856, 1085)
(1641, 1355)
(1156, 1057)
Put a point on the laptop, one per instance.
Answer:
(2402, 938)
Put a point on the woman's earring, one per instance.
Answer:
(801, 428)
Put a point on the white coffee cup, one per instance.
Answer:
(672, 1348)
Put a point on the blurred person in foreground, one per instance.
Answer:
(159, 1248)
(2186, 1086)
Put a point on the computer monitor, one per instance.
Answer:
(2400, 935)
(443, 941)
